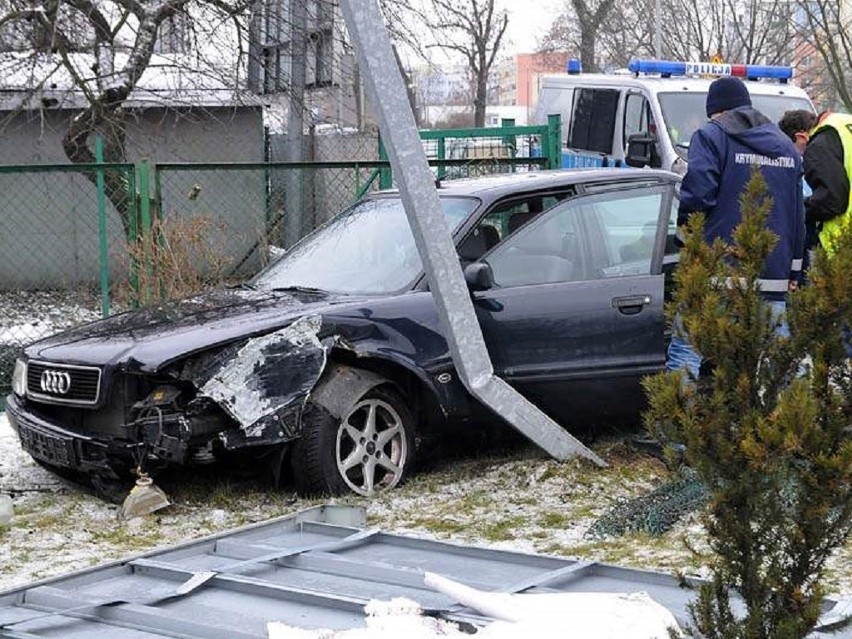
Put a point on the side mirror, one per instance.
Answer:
(640, 149)
(479, 276)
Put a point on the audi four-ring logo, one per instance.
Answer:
(57, 382)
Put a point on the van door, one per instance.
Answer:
(639, 120)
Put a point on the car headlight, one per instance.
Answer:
(19, 378)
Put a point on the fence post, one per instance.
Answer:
(157, 217)
(103, 247)
(144, 169)
(133, 235)
(442, 155)
(554, 141)
(385, 177)
(510, 140)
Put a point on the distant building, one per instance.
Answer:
(442, 86)
(444, 94)
(502, 83)
(332, 94)
(515, 81)
(810, 70)
(530, 67)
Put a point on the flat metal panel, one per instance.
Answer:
(304, 570)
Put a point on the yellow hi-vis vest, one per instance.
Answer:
(841, 123)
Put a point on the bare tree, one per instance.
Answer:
(577, 29)
(590, 19)
(760, 31)
(743, 31)
(824, 26)
(97, 52)
(472, 28)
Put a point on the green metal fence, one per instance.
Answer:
(78, 242)
(459, 153)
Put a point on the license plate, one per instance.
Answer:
(47, 447)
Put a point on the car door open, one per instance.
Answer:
(576, 307)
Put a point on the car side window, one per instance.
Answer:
(609, 234)
(671, 235)
(503, 220)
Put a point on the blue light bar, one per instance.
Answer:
(668, 68)
(768, 71)
(663, 67)
(574, 66)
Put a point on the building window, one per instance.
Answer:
(174, 35)
(276, 36)
(276, 67)
(68, 30)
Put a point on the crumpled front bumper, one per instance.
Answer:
(53, 445)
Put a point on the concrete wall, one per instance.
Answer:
(49, 220)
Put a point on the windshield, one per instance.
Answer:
(368, 248)
(685, 112)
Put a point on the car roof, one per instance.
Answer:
(499, 184)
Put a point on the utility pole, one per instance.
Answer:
(296, 121)
(432, 236)
(658, 26)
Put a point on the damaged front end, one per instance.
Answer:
(244, 395)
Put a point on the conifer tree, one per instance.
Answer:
(766, 426)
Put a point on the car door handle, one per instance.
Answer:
(631, 304)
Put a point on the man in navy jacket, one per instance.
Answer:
(722, 155)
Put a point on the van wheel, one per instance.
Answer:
(369, 450)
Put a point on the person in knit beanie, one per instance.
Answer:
(722, 155)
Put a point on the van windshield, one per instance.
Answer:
(684, 112)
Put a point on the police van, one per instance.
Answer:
(646, 115)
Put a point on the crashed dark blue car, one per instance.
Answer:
(331, 365)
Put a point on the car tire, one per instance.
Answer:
(369, 449)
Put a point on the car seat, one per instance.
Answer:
(519, 219)
(478, 243)
(534, 207)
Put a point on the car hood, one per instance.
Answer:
(150, 338)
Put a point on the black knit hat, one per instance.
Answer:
(726, 93)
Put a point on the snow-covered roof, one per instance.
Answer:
(172, 81)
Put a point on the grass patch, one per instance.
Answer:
(439, 525)
(120, 536)
(553, 520)
(504, 529)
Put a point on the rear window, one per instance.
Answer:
(593, 120)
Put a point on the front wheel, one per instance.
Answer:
(370, 449)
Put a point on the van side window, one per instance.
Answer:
(552, 101)
(593, 120)
(636, 117)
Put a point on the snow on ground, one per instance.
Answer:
(514, 500)
(544, 616)
(507, 502)
(26, 316)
